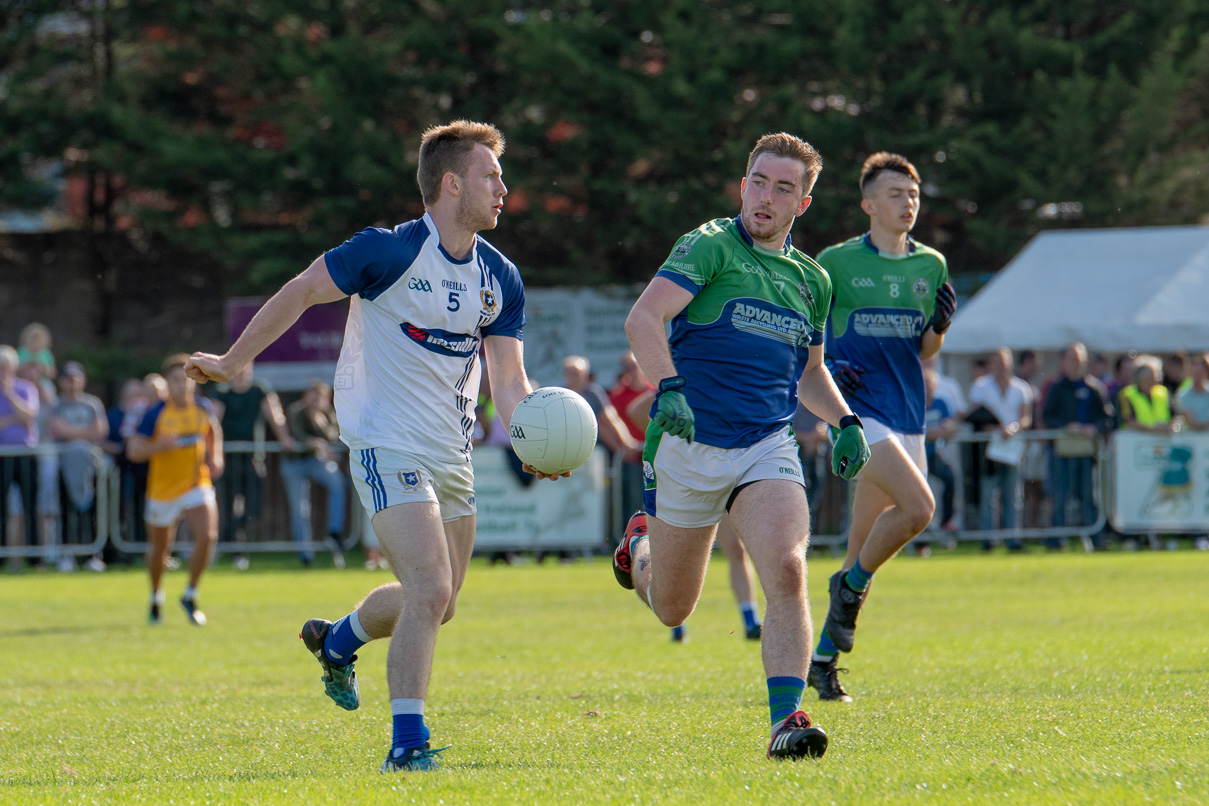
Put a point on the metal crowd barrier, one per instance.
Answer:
(51, 542)
(830, 500)
(267, 530)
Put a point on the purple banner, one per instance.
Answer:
(316, 336)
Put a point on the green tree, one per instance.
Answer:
(259, 134)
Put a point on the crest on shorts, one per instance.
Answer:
(410, 479)
(920, 288)
(804, 293)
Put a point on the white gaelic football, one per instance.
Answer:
(553, 430)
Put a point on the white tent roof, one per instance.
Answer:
(1114, 290)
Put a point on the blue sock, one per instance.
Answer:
(751, 614)
(407, 720)
(784, 696)
(858, 578)
(344, 638)
(827, 650)
(678, 633)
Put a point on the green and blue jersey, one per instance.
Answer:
(743, 340)
(881, 307)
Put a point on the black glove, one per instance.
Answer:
(946, 306)
(847, 376)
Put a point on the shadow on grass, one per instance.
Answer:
(67, 629)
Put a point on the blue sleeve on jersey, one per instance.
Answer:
(680, 280)
(374, 259)
(147, 426)
(511, 320)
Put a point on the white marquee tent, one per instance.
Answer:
(1116, 290)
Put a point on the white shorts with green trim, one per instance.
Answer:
(690, 486)
(384, 477)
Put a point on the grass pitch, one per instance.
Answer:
(1026, 679)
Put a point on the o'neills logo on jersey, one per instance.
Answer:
(770, 324)
(888, 323)
(442, 341)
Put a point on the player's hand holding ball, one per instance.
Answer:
(673, 415)
(553, 431)
(946, 306)
(851, 451)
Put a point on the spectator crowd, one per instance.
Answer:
(55, 437)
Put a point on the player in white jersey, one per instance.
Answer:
(424, 296)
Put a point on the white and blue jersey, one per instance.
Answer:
(408, 375)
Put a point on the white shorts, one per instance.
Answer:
(913, 444)
(690, 485)
(165, 513)
(385, 477)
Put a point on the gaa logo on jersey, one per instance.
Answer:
(920, 288)
(488, 299)
(410, 479)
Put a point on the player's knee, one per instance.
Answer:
(432, 600)
(671, 612)
(787, 577)
(450, 609)
(674, 616)
(919, 510)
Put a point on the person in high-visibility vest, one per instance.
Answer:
(1144, 403)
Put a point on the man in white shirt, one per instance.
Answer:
(1011, 400)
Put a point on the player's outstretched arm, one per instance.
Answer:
(314, 286)
(509, 383)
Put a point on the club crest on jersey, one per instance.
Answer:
(410, 479)
(488, 298)
(804, 293)
(921, 288)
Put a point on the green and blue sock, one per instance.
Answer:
(784, 696)
(826, 649)
(858, 578)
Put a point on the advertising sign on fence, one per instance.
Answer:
(1160, 482)
(567, 513)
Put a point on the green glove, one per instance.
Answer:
(672, 412)
(849, 451)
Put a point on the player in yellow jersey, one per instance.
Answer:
(181, 440)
